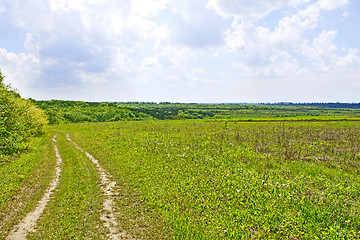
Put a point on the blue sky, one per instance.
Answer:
(182, 50)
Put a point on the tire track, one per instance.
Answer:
(27, 224)
(107, 187)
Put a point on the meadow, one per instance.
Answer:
(214, 171)
(197, 179)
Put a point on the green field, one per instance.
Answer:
(194, 179)
(211, 180)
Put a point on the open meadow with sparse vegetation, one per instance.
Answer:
(194, 179)
(218, 179)
(214, 171)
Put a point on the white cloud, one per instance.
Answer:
(280, 65)
(174, 48)
(144, 28)
(194, 25)
(332, 4)
(288, 34)
(350, 62)
(61, 6)
(251, 11)
(168, 56)
(323, 51)
(149, 7)
(326, 57)
(287, 50)
(92, 78)
(122, 63)
(21, 70)
(324, 43)
(32, 42)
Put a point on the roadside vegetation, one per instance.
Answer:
(211, 180)
(19, 120)
(23, 180)
(26, 157)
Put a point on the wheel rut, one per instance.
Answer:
(28, 224)
(108, 186)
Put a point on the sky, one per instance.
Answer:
(206, 51)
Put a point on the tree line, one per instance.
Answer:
(61, 111)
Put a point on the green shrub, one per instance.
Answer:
(19, 120)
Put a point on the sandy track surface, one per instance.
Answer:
(108, 214)
(28, 224)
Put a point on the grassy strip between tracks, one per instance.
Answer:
(23, 180)
(74, 210)
(211, 180)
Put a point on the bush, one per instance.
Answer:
(19, 120)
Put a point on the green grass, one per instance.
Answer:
(193, 180)
(211, 180)
(74, 210)
(23, 180)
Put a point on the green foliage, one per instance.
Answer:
(239, 111)
(19, 120)
(212, 180)
(74, 112)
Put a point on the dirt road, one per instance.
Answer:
(28, 224)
